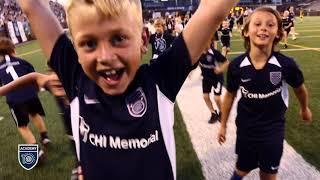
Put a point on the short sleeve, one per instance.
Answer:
(172, 68)
(220, 57)
(64, 61)
(294, 76)
(233, 77)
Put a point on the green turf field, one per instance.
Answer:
(304, 138)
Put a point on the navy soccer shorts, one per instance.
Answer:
(225, 41)
(266, 156)
(207, 85)
(20, 112)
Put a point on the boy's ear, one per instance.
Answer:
(145, 42)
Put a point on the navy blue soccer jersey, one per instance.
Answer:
(286, 22)
(264, 95)
(12, 68)
(208, 62)
(159, 43)
(292, 15)
(129, 136)
(225, 32)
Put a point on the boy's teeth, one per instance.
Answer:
(112, 72)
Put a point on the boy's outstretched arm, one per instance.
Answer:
(225, 111)
(203, 24)
(34, 78)
(43, 23)
(302, 95)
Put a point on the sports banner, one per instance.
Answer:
(21, 30)
(11, 32)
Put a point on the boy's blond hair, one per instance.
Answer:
(159, 22)
(106, 8)
(6, 46)
(248, 20)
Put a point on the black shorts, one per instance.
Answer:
(266, 156)
(207, 85)
(240, 21)
(20, 112)
(288, 30)
(225, 41)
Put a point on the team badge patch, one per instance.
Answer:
(160, 44)
(28, 155)
(137, 103)
(209, 58)
(275, 77)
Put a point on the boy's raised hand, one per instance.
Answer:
(43, 23)
(203, 23)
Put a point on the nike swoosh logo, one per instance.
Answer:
(90, 101)
(274, 168)
(245, 80)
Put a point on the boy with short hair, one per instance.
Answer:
(160, 41)
(24, 103)
(212, 64)
(122, 113)
(225, 38)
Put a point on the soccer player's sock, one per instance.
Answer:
(235, 176)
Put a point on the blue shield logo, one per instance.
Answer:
(28, 155)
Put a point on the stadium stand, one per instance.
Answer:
(14, 24)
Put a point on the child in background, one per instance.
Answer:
(24, 103)
(53, 85)
(286, 24)
(212, 64)
(262, 76)
(160, 41)
(225, 37)
(122, 113)
(292, 17)
(301, 14)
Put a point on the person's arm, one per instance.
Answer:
(208, 17)
(302, 95)
(43, 23)
(225, 111)
(220, 69)
(287, 27)
(36, 79)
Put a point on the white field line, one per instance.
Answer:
(282, 50)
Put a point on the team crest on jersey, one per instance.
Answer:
(28, 155)
(275, 77)
(209, 58)
(160, 44)
(137, 103)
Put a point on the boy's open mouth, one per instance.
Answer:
(263, 36)
(112, 76)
